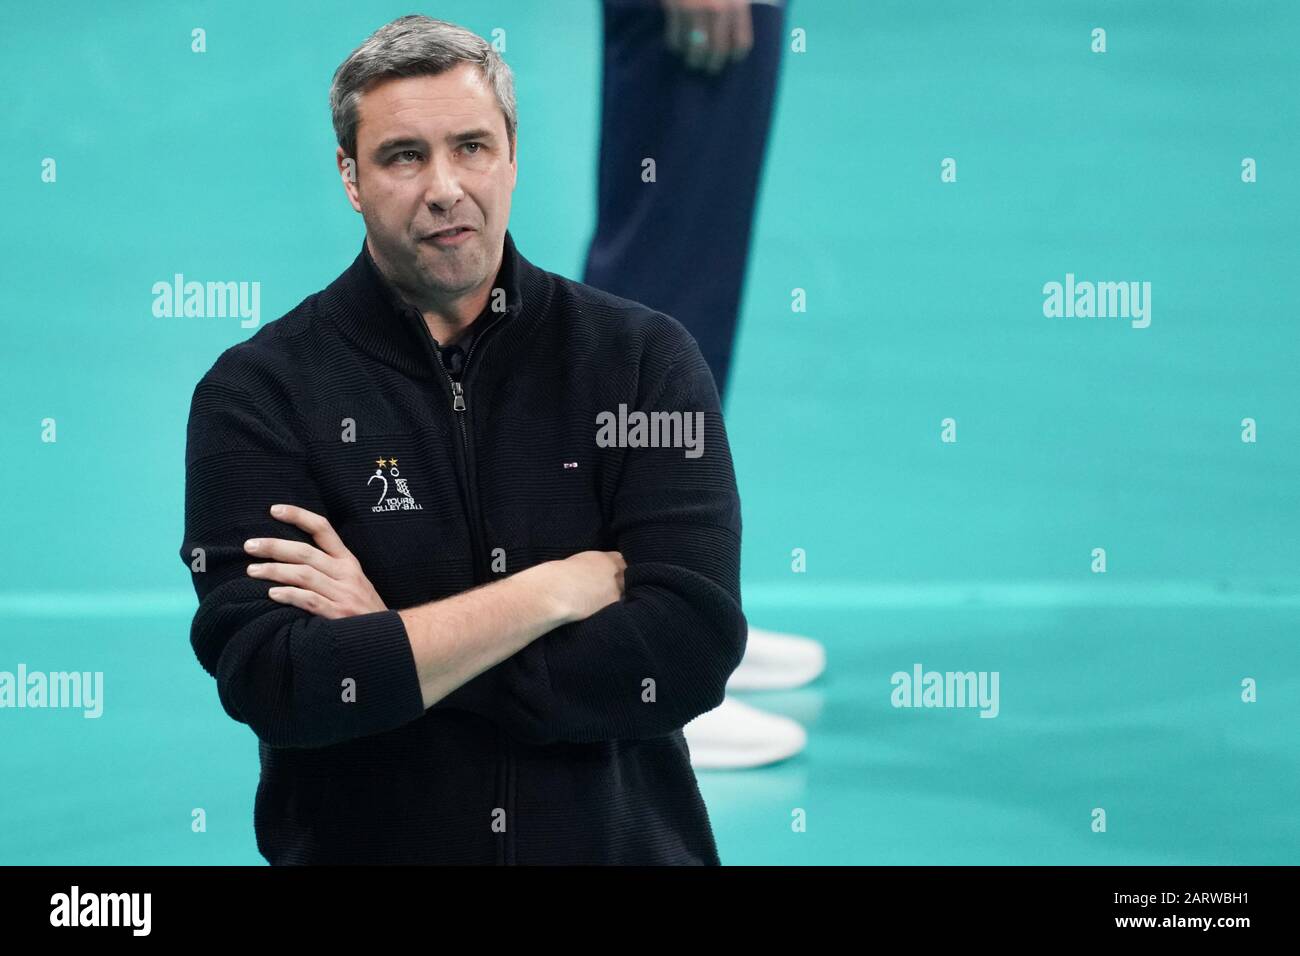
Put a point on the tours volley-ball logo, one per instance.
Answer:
(403, 500)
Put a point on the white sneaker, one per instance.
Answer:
(776, 661)
(734, 736)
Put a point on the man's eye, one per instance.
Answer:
(407, 152)
(479, 145)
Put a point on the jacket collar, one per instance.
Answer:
(366, 308)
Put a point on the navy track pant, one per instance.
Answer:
(680, 244)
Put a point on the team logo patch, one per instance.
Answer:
(403, 500)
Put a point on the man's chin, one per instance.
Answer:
(454, 284)
(455, 260)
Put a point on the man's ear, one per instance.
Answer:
(347, 166)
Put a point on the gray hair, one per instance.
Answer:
(416, 45)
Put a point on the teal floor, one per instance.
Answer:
(1119, 691)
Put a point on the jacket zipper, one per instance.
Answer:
(476, 526)
(458, 406)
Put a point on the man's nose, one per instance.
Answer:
(443, 186)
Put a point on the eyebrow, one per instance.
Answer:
(408, 142)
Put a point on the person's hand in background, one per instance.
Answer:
(709, 34)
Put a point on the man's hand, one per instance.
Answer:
(589, 581)
(327, 581)
(709, 33)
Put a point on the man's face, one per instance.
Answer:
(432, 153)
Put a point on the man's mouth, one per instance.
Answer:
(449, 232)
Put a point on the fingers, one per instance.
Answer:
(294, 562)
(318, 527)
(708, 34)
(620, 568)
(722, 32)
(307, 600)
(288, 551)
(742, 35)
(326, 580)
(297, 562)
(303, 575)
(702, 36)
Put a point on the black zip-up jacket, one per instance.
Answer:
(569, 751)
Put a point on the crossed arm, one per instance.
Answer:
(455, 639)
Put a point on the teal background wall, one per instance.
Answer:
(1119, 690)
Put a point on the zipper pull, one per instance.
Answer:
(458, 402)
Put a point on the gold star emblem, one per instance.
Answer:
(380, 463)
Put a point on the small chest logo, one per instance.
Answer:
(403, 500)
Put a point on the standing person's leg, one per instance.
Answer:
(680, 243)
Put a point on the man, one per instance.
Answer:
(476, 629)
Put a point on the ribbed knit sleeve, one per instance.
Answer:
(650, 663)
(278, 668)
